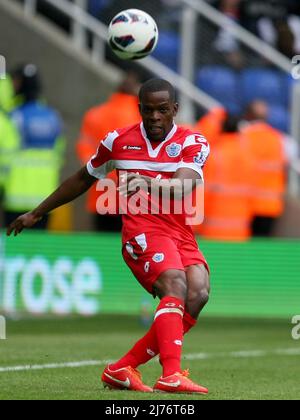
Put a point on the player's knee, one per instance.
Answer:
(198, 298)
(172, 284)
(203, 296)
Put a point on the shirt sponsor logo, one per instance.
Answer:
(132, 148)
(158, 258)
(174, 150)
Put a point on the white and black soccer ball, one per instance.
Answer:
(133, 34)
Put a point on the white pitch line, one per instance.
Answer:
(194, 356)
(72, 365)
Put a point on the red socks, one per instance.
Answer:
(188, 322)
(147, 348)
(169, 332)
(143, 351)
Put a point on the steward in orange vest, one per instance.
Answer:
(211, 125)
(266, 146)
(228, 204)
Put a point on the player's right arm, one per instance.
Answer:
(97, 168)
(72, 188)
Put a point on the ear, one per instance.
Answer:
(176, 108)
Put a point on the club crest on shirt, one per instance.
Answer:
(158, 258)
(174, 150)
(202, 156)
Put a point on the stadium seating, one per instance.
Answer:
(262, 84)
(236, 90)
(168, 49)
(221, 83)
(279, 118)
(287, 86)
(96, 6)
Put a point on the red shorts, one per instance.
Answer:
(150, 255)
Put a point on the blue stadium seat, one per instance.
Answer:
(96, 6)
(287, 89)
(222, 84)
(279, 118)
(262, 84)
(168, 49)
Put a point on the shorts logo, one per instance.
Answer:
(174, 150)
(151, 353)
(158, 258)
(130, 250)
(178, 342)
(147, 267)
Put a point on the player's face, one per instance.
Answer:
(158, 112)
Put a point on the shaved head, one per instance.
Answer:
(157, 85)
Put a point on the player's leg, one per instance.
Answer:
(149, 257)
(172, 288)
(198, 294)
(147, 347)
(197, 297)
(165, 335)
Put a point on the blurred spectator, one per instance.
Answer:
(228, 203)
(9, 145)
(226, 43)
(274, 21)
(211, 124)
(265, 145)
(7, 100)
(35, 169)
(121, 110)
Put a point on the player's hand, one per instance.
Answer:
(131, 184)
(28, 220)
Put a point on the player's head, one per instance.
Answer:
(158, 107)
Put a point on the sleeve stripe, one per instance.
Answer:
(109, 141)
(191, 140)
(101, 171)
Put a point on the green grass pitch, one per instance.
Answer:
(234, 358)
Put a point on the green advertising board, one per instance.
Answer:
(85, 274)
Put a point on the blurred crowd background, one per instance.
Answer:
(251, 147)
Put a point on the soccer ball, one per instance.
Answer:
(133, 34)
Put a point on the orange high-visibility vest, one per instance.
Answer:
(228, 207)
(265, 144)
(119, 112)
(211, 124)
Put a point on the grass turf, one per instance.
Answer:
(37, 342)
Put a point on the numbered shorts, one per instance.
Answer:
(150, 255)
